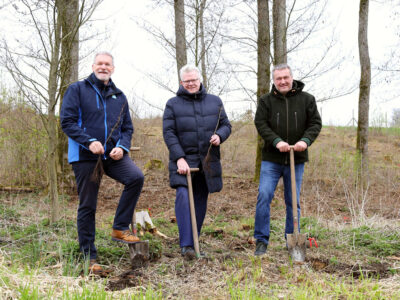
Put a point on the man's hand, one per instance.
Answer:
(300, 146)
(96, 147)
(116, 153)
(283, 146)
(215, 140)
(183, 166)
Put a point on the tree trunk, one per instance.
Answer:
(180, 36)
(69, 11)
(263, 67)
(52, 120)
(279, 31)
(365, 86)
(203, 44)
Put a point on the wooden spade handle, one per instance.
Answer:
(193, 212)
(294, 192)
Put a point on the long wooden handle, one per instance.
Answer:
(294, 192)
(193, 212)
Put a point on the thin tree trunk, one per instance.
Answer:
(263, 68)
(203, 44)
(69, 10)
(279, 31)
(52, 120)
(365, 86)
(180, 36)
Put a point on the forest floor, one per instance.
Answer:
(357, 231)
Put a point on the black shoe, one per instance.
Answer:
(261, 249)
(188, 253)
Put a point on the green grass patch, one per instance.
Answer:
(379, 242)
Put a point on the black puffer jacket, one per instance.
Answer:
(189, 122)
(290, 118)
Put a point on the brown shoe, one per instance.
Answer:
(124, 236)
(94, 267)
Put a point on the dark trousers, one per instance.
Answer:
(182, 208)
(125, 172)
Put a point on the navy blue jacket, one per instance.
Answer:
(189, 122)
(92, 111)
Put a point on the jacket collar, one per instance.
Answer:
(296, 88)
(106, 90)
(182, 92)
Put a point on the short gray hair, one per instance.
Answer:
(103, 53)
(281, 67)
(189, 68)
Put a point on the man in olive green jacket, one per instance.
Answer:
(285, 116)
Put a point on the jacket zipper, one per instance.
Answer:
(98, 94)
(295, 118)
(287, 125)
(277, 120)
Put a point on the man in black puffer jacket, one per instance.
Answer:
(285, 116)
(189, 122)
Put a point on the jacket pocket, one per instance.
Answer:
(295, 120)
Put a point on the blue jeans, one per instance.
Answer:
(269, 177)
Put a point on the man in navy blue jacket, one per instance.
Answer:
(194, 126)
(95, 117)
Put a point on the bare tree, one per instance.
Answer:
(204, 22)
(180, 34)
(263, 67)
(365, 86)
(279, 31)
(36, 69)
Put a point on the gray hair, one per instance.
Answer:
(189, 68)
(281, 67)
(103, 53)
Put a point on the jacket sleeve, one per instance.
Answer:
(261, 122)
(170, 135)
(126, 129)
(224, 126)
(71, 117)
(314, 123)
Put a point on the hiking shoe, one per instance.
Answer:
(261, 249)
(124, 236)
(188, 253)
(94, 267)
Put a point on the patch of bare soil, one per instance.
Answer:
(130, 278)
(375, 269)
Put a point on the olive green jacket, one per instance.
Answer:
(290, 118)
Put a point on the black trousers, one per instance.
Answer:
(124, 171)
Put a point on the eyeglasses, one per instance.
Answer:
(190, 81)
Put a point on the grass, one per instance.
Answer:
(49, 254)
(378, 242)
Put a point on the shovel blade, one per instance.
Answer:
(139, 254)
(297, 246)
